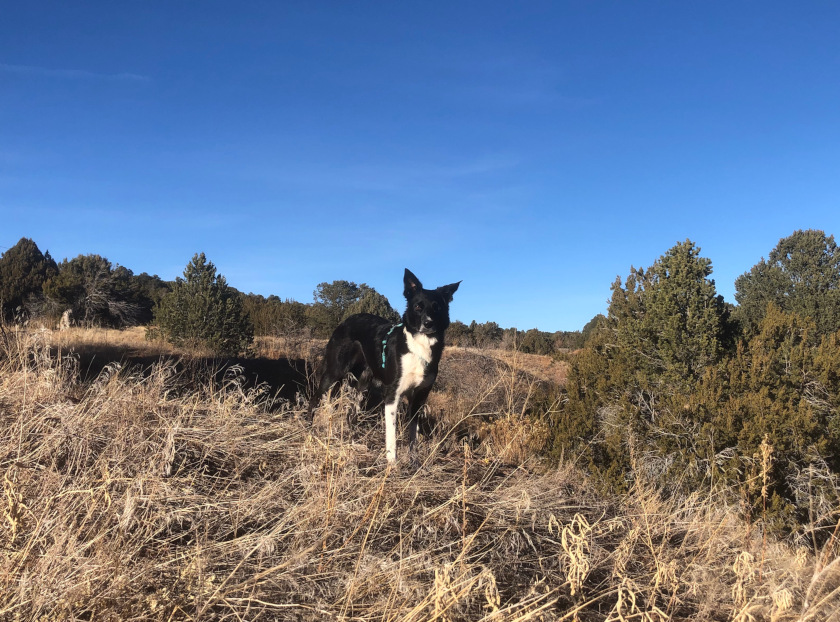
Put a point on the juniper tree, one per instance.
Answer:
(23, 271)
(99, 293)
(670, 318)
(801, 275)
(333, 302)
(458, 334)
(486, 335)
(371, 301)
(644, 373)
(783, 388)
(203, 311)
(535, 341)
(273, 316)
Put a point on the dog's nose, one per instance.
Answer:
(428, 322)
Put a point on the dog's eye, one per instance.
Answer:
(435, 307)
(418, 307)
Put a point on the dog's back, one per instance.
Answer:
(350, 350)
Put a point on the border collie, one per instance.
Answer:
(401, 358)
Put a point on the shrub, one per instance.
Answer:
(203, 311)
(642, 391)
(23, 271)
(801, 275)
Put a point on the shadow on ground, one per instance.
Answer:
(284, 378)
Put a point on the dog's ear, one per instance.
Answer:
(412, 284)
(447, 290)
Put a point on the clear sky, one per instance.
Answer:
(535, 150)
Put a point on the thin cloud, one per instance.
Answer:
(71, 74)
(388, 177)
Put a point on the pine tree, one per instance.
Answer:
(23, 271)
(203, 311)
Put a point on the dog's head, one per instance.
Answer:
(428, 309)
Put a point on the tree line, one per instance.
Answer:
(533, 341)
(98, 293)
(200, 308)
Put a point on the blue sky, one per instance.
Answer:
(535, 150)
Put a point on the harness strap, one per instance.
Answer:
(385, 342)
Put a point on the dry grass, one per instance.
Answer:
(292, 346)
(496, 397)
(544, 368)
(130, 340)
(133, 498)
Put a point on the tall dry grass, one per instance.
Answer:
(129, 340)
(142, 496)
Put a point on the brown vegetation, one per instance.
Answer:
(151, 496)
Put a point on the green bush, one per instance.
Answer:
(800, 275)
(203, 311)
(639, 393)
(665, 391)
(23, 271)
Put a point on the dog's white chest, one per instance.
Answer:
(415, 361)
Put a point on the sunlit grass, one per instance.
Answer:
(145, 496)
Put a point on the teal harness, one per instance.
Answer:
(385, 342)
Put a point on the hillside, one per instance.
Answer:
(165, 495)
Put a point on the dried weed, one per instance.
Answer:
(130, 498)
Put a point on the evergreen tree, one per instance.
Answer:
(535, 341)
(568, 340)
(592, 326)
(23, 271)
(337, 300)
(203, 311)
(670, 318)
(98, 293)
(783, 386)
(487, 335)
(371, 301)
(331, 302)
(275, 317)
(146, 291)
(769, 378)
(646, 373)
(801, 275)
(458, 334)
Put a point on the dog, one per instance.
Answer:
(401, 358)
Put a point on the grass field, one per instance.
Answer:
(157, 488)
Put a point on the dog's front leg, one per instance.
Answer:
(391, 429)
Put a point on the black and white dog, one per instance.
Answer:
(403, 358)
